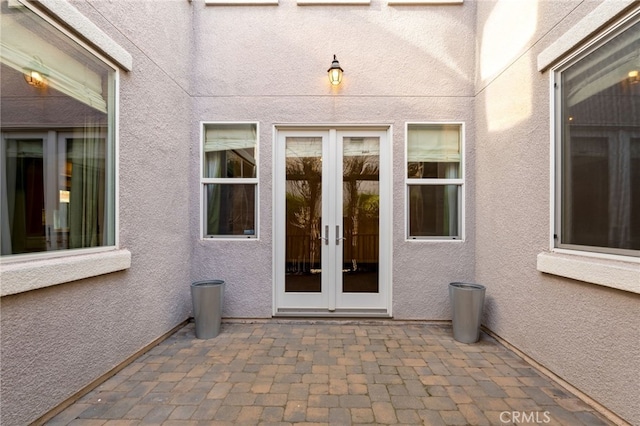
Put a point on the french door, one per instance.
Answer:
(332, 222)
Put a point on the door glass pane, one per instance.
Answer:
(361, 214)
(303, 214)
(23, 196)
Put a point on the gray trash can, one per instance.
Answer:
(467, 301)
(207, 298)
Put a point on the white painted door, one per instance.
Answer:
(332, 222)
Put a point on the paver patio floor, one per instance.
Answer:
(328, 372)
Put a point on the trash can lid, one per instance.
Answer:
(206, 283)
(467, 286)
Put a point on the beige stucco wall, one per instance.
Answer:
(402, 63)
(587, 334)
(57, 340)
(194, 63)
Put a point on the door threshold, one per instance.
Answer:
(337, 313)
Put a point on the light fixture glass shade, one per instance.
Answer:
(34, 78)
(335, 72)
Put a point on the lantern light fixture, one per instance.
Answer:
(335, 72)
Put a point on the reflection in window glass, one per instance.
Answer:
(230, 209)
(600, 127)
(57, 116)
(433, 210)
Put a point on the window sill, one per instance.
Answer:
(435, 239)
(35, 274)
(615, 273)
(227, 238)
(332, 2)
(240, 2)
(424, 2)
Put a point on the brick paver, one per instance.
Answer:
(328, 372)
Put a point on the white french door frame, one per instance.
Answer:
(331, 300)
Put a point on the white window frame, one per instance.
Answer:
(253, 181)
(608, 270)
(27, 272)
(460, 182)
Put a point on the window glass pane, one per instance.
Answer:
(230, 209)
(600, 182)
(57, 116)
(434, 170)
(229, 151)
(54, 193)
(433, 151)
(433, 210)
(635, 195)
(586, 202)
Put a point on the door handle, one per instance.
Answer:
(326, 237)
(338, 237)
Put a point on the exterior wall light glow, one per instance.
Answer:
(36, 75)
(335, 72)
(633, 77)
(34, 78)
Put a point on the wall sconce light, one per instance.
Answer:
(36, 75)
(633, 77)
(34, 78)
(335, 72)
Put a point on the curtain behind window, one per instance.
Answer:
(86, 206)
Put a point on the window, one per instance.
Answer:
(229, 180)
(434, 181)
(598, 146)
(57, 151)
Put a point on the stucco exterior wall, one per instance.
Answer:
(401, 64)
(57, 340)
(586, 334)
(267, 64)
